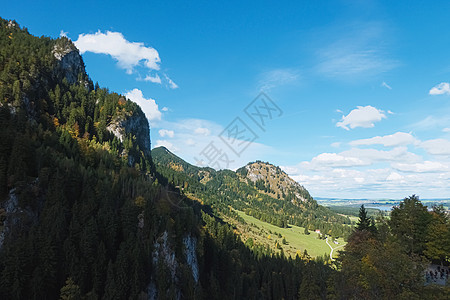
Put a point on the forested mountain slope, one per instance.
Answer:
(81, 213)
(259, 189)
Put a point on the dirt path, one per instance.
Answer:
(331, 253)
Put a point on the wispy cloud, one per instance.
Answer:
(278, 77)
(154, 79)
(384, 84)
(356, 53)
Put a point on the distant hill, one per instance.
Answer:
(260, 189)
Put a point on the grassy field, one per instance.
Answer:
(297, 241)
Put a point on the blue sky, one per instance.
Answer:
(361, 88)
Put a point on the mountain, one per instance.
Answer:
(274, 182)
(84, 215)
(259, 189)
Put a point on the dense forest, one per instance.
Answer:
(85, 215)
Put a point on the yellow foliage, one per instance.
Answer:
(139, 201)
(55, 121)
(268, 236)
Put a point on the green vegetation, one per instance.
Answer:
(388, 261)
(263, 233)
(224, 189)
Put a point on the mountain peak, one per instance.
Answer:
(273, 181)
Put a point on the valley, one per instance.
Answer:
(296, 241)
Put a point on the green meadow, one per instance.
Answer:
(296, 239)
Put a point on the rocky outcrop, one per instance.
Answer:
(135, 123)
(190, 246)
(15, 219)
(276, 182)
(69, 61)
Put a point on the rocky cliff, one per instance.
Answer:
(69, 61)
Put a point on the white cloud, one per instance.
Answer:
(171, 84)
(392, 140)
(437, 146)
(422, 167)
(278, 77)
(128, 54)
(63, 33)
(167, 144)
(431, 122)
(202, 131)
(148, 106)
(330, 160)
(394, 176)
(336, 144)
(440, 89)
(355, 53)
(362, 116)
(154, 79)
(370, 156)
(447, 129)
(165, 132)
(384, 84)
(165, 108)
(357, 157)
(190, 142)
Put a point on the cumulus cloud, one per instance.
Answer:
(167, 144)
(392, 140)
(127, 54)
(357, 157)
(440, 89)
(437, 146)
(148, 106)
(165, 132)
(394, 176)
(362, 116)
(370, 156)
(333, 160)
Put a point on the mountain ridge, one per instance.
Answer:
(276, 199)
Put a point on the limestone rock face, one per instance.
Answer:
(276, 182)
(69, 61)
(137, 124)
